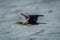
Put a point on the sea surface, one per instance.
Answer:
(48, 29)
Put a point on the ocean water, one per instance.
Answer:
(10, 13)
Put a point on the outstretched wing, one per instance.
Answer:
(33, 18)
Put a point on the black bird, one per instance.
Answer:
(30, 19)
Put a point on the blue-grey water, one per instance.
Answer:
(10, 13)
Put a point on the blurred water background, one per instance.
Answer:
(10, 13)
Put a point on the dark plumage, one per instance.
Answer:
(33, 19)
